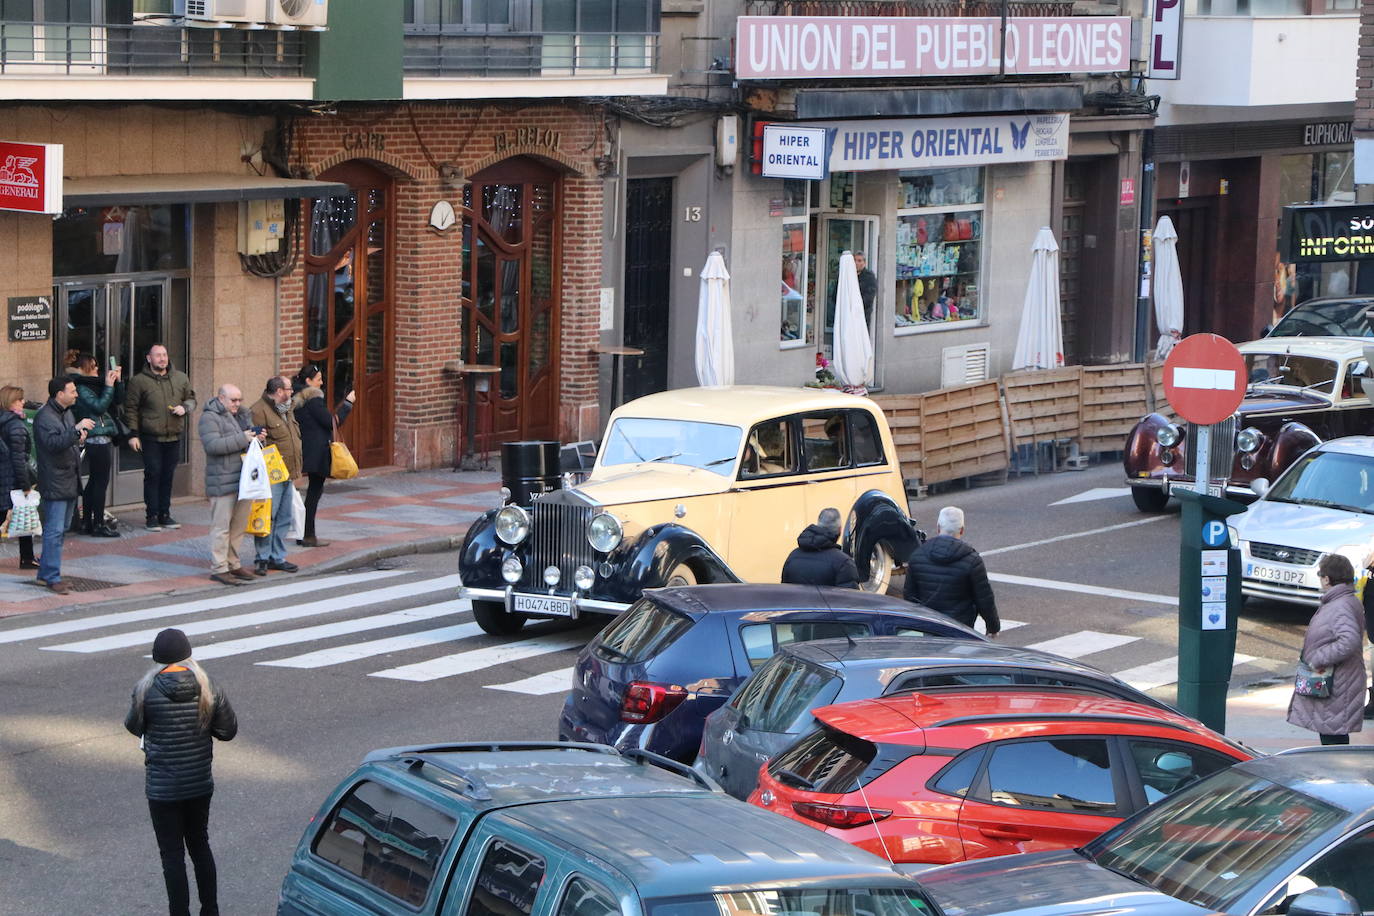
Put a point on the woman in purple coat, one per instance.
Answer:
(1335, 639)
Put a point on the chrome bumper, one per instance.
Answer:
(1169, 484)
(579, 603)
(1259, 588)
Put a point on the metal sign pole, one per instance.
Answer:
(1203, 465)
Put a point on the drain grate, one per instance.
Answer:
(79, 584)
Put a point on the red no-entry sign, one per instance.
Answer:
(1204, 378)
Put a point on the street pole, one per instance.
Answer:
(1147, 215)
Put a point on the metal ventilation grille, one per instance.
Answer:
(1222, 453)
(197, 7)
(964, 365)
(294, 8)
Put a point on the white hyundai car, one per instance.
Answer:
(1322, 504)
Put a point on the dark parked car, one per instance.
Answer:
(651, 678)
(1292, 833)
(772, 709)
(1299, 391)
(567, 830)
(1340, 316)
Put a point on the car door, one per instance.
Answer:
(827, 463)
(1345, 866)
(1160, 768)
(768, 503)
(1042, 793)
(503, 872)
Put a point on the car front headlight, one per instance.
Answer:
(1168, 436)
(1249, 439)
(512, 524)
(604, 532)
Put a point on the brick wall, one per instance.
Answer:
(410, 143)
(1364, 74)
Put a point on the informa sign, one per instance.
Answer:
(30, 318)
(1166, 40)
(31, 177)
(794, 152)
(1317, 232)
(928, 143)
(883, 47)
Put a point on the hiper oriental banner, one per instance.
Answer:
(848, 47)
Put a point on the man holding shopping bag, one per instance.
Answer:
(273, 413)
(226, 436)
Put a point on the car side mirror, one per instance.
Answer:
(1324, 901)
(1259, 486)
(1174, 763)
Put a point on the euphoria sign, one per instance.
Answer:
(1317, 232)
(30, 318)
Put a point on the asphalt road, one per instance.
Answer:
(1094, 578)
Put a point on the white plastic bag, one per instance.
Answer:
(297, 515)
(253, 482)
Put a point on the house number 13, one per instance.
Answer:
(691, 214)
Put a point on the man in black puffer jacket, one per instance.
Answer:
(947, 575)
(178, 712)
(819, 559)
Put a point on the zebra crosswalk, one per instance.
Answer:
(330, 621)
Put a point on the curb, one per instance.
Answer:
(436, 544)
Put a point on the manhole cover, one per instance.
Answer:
(78, 584)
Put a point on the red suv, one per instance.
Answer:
(959, 773)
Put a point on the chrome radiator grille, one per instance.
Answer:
(558, 537)
(1222, 452)
(1298, 556)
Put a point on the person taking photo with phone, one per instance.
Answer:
(96, 394)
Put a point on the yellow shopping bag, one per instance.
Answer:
(276, 465)
(259, 519)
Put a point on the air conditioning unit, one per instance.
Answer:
(221, 13)
(301, 14)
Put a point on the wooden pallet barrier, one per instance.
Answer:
(1044, 405)
(1114, 399)
(904, 419)
(962, 433)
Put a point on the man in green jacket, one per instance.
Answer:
(155, 408)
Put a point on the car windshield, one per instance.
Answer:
(1342, 318)
(1212, 843)
(1309, 372)
(711, 446)
(809, 901)
(1331, 479)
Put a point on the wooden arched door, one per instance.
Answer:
(511, 293)
(348, 304)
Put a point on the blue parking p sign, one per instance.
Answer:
(1214, 533)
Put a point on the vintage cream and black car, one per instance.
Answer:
(694, 486)
(1299, 391)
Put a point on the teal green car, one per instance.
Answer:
(562, 829)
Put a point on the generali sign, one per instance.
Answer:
(846, 47)
(31, 177)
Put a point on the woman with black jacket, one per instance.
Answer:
(16, 473)
(95, 395)
(178, 712)
(317, 431)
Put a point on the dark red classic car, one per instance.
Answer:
(1300, 391)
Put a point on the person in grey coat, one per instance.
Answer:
(224, 434)
(1335, 639)
(58, 436)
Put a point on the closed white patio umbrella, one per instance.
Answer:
(1040, 342)
(1168, 286)
(715, 355)
(852, 361)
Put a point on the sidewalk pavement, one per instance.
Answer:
(380, 513)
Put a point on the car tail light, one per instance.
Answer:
(839, 815)
(646, 702)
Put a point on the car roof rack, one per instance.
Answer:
(673, 766)
(1025, 688)
(1056, 717)
(476, 788)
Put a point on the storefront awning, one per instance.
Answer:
(112, 190)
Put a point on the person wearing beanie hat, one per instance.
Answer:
(819, 559)
(178, 712)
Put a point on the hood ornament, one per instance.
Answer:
(679, 510)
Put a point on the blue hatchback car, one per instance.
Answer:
(650, 679)
(528, 829)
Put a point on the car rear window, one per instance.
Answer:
(389, 840)
(783, 689)
(642, 632)
(826, 760)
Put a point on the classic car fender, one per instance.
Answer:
(1293, 439)
(479, 562)
(647, 561)
(877, 519)
(1141, 455)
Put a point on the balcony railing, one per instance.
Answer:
(523, 54)
(34, 48)
(907, 7)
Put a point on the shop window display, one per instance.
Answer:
(939, 242)
(798, 298)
